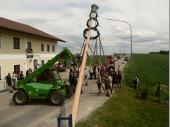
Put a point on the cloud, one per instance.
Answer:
(32, 21)
(67, 20)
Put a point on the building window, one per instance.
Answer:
(17, 69)
(42, 47)
(48, 48)
(53, 48)
(35, 64)
(0, 72)
(16, 43)
(29, 46)
(42, 62)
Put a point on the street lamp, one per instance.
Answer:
(129, 27)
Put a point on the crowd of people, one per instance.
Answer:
(11, 80)
(106, 76)
(61, 65)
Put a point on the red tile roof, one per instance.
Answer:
(16, 26)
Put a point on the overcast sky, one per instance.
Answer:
(66, 19)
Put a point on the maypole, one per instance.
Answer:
(92, 25)
(88, 35)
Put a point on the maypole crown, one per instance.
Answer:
(94, 7)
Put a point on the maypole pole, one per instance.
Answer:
(88, 36)
(92, 24)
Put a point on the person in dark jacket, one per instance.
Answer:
(21, 76)
(9, 82)
(94, 71)
(71, 75)
(114, 80)
(119, 78)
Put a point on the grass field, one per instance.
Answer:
(151, 69)
(125, 108)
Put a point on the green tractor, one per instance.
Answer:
(44, 83)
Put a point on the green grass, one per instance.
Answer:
(124, 109)
(151, 69)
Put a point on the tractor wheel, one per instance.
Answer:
(20, 98)
(69, 91)
(56, 98)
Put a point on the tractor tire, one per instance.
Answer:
(69, 91)
(56, 98)
(20, 98)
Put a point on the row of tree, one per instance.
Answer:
(160, 52)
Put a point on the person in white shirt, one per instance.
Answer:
(135, 82)
(14, 80)
(91, 73)
(86, 76)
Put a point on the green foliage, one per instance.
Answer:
(66, 54)
(163, 52)
(160, 52)
(123, 109)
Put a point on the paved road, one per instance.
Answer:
(41, 114)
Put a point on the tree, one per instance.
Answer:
(163, 52)
(66, 54)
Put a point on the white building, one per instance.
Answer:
(23, 47)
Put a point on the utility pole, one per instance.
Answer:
(130, 27)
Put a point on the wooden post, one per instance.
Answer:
(76, 99)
